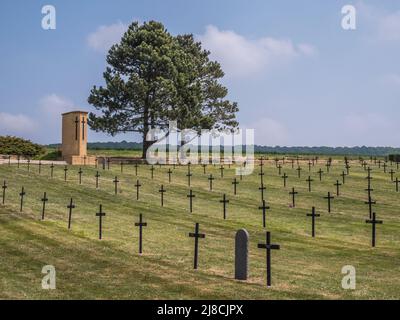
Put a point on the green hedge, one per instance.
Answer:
(16, 146)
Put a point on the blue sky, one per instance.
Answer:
(298, 76)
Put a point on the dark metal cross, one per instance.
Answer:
(262, 188)
(309, 180)
(189, 175)
(313, 215)
(136, 167)
(80, 175)
(44, 200)
(397, 184)
(320, 174)
(161, 191)
(22, 194)
(337, 184)
(169, 175)
(261, 174)
(4, 187)
(293, 194)
(97, 179)
(76, 128)
(299, 171)
(137, 185)
(141, 224)
(224, 202)
(211, 178)
(70, 207)
(40, 166)
(268, 246)
(329, 198)
(100, 214)
(391, 174)
(343, 175)
(384, 167)
(235, 183)
(327, 165)
(374, 222)
(65, 173)
(309, 165)
(370, 202)
(264, 207)
(222, 171)
(29, 162)
(122, 167)
(196, 235)
(116, 181)
(204, 168)
(369, 171)
(190, 196)
(284, 177)
(51, 170)
(347, 169)
(152, 171)
(279, 169)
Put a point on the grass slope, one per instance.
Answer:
(88, 268)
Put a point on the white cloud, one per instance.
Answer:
(54, 105)
(240, 56)
(13, 124)
(269, 132)
(105, 36)
(384, 25)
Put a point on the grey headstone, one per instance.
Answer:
(241, 254)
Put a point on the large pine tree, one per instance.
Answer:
(154, 77)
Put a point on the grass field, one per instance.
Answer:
(89, 268)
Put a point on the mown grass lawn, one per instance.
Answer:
(304, 268)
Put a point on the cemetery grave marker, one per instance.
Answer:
(204, 168)
(22, 195)
(40, 167)
(169, 174)
(116, 181)
(284, 177)
(80, 175)
(370, 202)
(313, 215)
(374, 222)
(29, 162)
(65, 173)
(235, 183)
(136, 168)
(190, 196)
(196, 235)
(224, 202)
(4, 187)
(70, 207)
(391, 174)
(241, 254)
(262, 188)
(210, 179)
(189, 174)
(309, 180)
(279, 169)
(222, 171)
(261, 174)
(137, 185)
(293, 194)
(100, 214)
(152, 171)
(141, 224)
(264, 207)
(299, 172)
(51, 170)
(337, 184)
(44, 200)
(97, 179)
(268, 246)
(161, 191)
(320, 172)
(343, 175)
(329, 198)
(397, 184)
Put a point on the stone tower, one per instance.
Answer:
(74, 138)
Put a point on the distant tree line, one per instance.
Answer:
(16, 146)
(358, 151)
